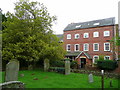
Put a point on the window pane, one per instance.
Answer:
(85, 47)
(76, 36)
(76, 47)
(86, 35)
(68, 47)
(68, 36)
(106, 33)
(107, 46)
(95, 34)
(107, 57)
(95, 59)
(96, 47)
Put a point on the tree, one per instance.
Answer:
(28, 34)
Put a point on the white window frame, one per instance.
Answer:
(94, 46)
(67, 47)
(105, 46)
(95, 34)
(76, 35)
(94, 58)
(87, 47)
(105, 57)
(75, 47)
(107, 34)
(85, 35)
(68, 36)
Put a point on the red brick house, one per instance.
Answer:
(87, 41)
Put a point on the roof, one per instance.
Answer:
(73, 53)
(77, 54)
(89, 24)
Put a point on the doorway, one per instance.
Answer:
(83, 62)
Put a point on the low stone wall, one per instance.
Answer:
(12, 84)
(97, 73)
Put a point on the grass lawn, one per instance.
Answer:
(56, 80)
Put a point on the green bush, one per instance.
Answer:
(57, 69)
(57, 63)
(107, 64)
(73, 64)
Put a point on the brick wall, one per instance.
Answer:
(101, 40)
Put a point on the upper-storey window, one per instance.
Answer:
(68, 47)
(86, 47)
(96, 34)
(77, 36)
(106, 33)
(96, 47)
(106, 46)
(76, 47)
(68, 36)
(86, 35)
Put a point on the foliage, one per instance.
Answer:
(101, 57)
(67, 59)
(28, 34)
(73, 64)
(57, 63)
(107, 64)
(57, 69)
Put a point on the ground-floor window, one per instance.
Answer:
(95, 58)
(106, 57)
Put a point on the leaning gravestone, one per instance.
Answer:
(12, 69)
(90, 77)
(67, 67)
(46, 65)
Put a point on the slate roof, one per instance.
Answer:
(77, 54)
(89, 24)
(73, 53)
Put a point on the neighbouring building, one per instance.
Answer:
(87, 41)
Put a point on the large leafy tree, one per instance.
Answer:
(28, 34)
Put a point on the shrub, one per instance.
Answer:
(57, 63)
(57, 69)
(73, 64)
(66, 59)
(107, 64)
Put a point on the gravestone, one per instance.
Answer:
(12, 69)
(67, 67)
(46, 65)
(30, 67)
(90, 77)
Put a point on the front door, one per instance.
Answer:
(83, 62)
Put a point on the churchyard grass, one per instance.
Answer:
(41, 79)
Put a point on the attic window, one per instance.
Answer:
(78, 26)
(96, 23)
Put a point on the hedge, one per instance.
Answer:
(107, 64)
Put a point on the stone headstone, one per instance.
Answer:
(30, 67)
(90, 77)
(46, 65)
(67, 67)
(12, 69)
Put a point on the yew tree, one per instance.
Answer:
(28, 34)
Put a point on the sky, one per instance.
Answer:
(72, 11)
